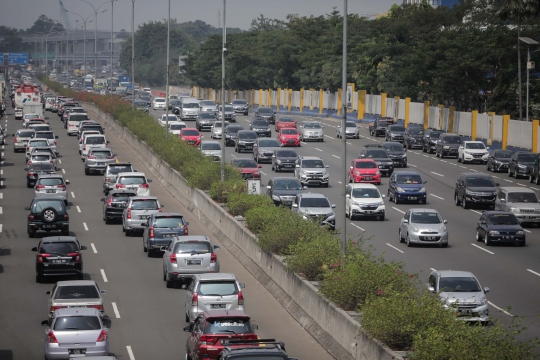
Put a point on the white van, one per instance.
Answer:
(189, 109)
(73, 121)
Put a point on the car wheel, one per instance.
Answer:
(408, 241)
(127, 232)
(326, 185)
(350, 213)
(486, 240)
(86, 172)
(424, 202)
(488, 167)
(509, 172)
(464, 203)
(429, 150)
(145, 249)
(80, 276)
(107, 220)
(537, 179)
(456, 199)
(423, 148)
(400, 237)
(396, 200)
(28, 185)
(531, 178)
(442, 155)
(187, 320)
(168, 284)
(458, 159)
(31, 233)
(521, 243)
(39, 278)
(516, 175)
(436, 153)
(149, 253)
(444, 245)
(236, 149)
(382, 216)
(478, 236)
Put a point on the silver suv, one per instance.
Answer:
(111, 172)
(213, 292)
(316, 207)
(521, 201)
(188, 255)
(21, 138)
(97, 160)
(75, 293)
(310, 170)
(137, 212)
(52, 185)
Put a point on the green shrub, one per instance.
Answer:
(259, 218)
(311, 258)
(239, 203)
(219, 191)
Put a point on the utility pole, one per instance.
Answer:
(167, 76)
(223, 53)
(344, 171)
(133, 55)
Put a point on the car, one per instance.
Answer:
(475, 189)
(158, 103)
(97, 160)
(283, 190)
(216, 130)
(174, 103)
(499, 227)
(534, 171)
(289, 137)
(211, 291)
(254, 349)
(211, 329)
(51, 139)
(34, 143)
(133, 181)
(141, 105)
(42, 156)
(191, 136)
(114, 204)
(429, 141)
(351, 130)
(521, 201)
(137, 211)
(176, 126)
(163, 119)
(407, 186)
(396, 152)
(208, 106)
(448, 145)
(461, 292)
(18, 113)
(111, 172)
(72, 122)
(51, 185)
(36, 122)
(311, 131)
(248, 168)
(28, 117)
(47, 213)
(186, 256)
(190, 110)
(498, 160)
(21, 138)
(284, 122)
(284, 159)
(148, 101)
(378, 127)
(160, 228)
(59, 256)
(473, 151)
(311, 170)
(266, 113)
(395, 133)
(261, 126)
(240, 106)
(211, 148)
(520, 162)
(39, 127)
(81, 328)
(375, 152)
(36, 170)
(245, 139)
(264, 148)
(2, 135)
(75, 294)
(89, 125)
(423, 226)
(364, 171)
(92, 141)
(315, 207)
(84, 134)
(205, 121)
(364, 200)
(231, 133)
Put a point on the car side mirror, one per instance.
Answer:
(259, 166)
(487, 148)
(216, 247)
(294, 205)
(83, 247)
(27, 208)
(255, 327)
(327, 166)
(103, 291)
(102, 200)
(405, 149)
(322, 127)
(497, 184)
(269, 187)
(405, 221)
(149, 180)
(163, 248)
(333, 206)
(56, 136)
(431, 288)
(298, 166)
(67, 182)
(350, 167)
(383, 196)
(188, 328)
(48, 292)
(445, 221)
(502, 200)
(486, 289)
(45, 323)
(347, 196)
(25, 169)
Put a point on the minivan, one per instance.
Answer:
(72, 123)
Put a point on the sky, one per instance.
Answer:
(23, 13)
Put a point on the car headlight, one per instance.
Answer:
(496, 162)
(443, 229)
(304, 217)
(377, 173)
(514, 210)
(467, 153)
(493, 232)
(422, 190)
(241, 142)
(446, 147)
(520, 232)
(414, 228)
(325, 176)
(522, 166)
(400, 189)
(357, 173)
(483, 301)
(276, 198)
(404, 156)
(278, 161)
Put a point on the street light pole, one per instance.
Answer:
(167, 75)
(529, 42)
(223, 52)
(95, 33)
(133, 55)
(344, 137)
(112, 25)
(85, 21)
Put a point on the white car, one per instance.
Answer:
(176, 126)
(136, 181)
(85, 134)
(364, 200)
(92, 141)
(163, 119)
(36, 142)
(158, 103)
(473, 151)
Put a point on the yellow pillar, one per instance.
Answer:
(407, 111)
(339, 104)
(244, 95)
(193, 90)
(198, 92)
(383, 104)
(210, 94)
(506, 118)
(441, 116)
(260, 97)
(535, 124)
(252, 101)
(278, 99)
(289, 102)
(426, 114)
(473, 124)
(301, 99)
(321, 101)
(270, 97)
(491, 120)
(311, 105)
(361, 104)
(451, 115)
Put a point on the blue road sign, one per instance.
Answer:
(1, 58)
(17, 58)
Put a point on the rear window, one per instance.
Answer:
(59, 247)
(26, 134)
(40, 205)
(169, 222)
(37, 167)
(192, 246)
(70, 323)
(119, 169)
(76, 292)
(132, 180)
(228, 326)
(217, 288)
(50, 181)
(95, 140)
(78, 117)
(144, 204)
(101, 153)
(40, 127)
(123, 196)
(34, 143)
(41, 157)
(45, 135)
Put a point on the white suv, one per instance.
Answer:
(158, 103)
(136, 181)
(364, 200)
(92, 141)
(471, 151)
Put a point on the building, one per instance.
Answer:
(434, 3)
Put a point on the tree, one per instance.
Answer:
(45, 25)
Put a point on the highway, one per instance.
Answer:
(511, 273)
(146, 318)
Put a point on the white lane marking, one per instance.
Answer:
(2, 172)
(356, 226)
(63, 171)
(438, 197)
(498, 308)
(1, 182)
(318, 149)
(510, 181)
(1, 210)
(534, 272)
(473, 170)
(495, 176)
(93, 248)
(1, 228)
(233, 156)
(2, 154)
(329, 137)
(1, 195)
(104, 276)
(478, 212)
(436, 173)
(522, 185)
(78, 208)
(395, 248)
(263, 173)
(60, 161)
(453, 164)
(432, 269)
(348, 143)
(463, 167)
(336, 156)
(481, 248)
(115, 308)
(85, 227)
(425, 156)
(340, 182)
(530, 187)
(130, 353)
(413, 165)
(403, 212)
(527, 231)
(72, 195)
(443, 161)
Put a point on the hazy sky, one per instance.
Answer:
(23, 13)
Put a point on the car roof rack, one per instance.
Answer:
(372, 145)
(265, 342)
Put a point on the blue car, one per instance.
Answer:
(406, 186)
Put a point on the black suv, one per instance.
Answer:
(231, 132)
(475, 189)
(114, 204)
(448, 145)
(429, 141)
(377, 153)
(396, 151)
(245, 140)
(254, 349)
(266, 113)
(519, 163)
(395, 133)
(283, 190)
(378, 127)
(413, 137)
(59, 256)
(284, 160)
(159, 230)
(261, 126)
(498, 160)
(47, 214)
(534, 171)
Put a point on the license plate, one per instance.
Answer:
(48, 226)
(77, 351)
(168, 235)
(368, 212)
(249, 147)
(532, 217)
(51, 191)
(194, 262)
(217, 306)
(288, 166)
(508, 238)
(368, 178)
(287, 202)
(144, 217)
(412, 197)
(59, 261)
(430, 238)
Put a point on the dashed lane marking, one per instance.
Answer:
(318, 149)
(78, 208)
(130, 353)
(72, 195)
(115, 309)
(527, 231)
(463, 167)
(93, 248)
(510, 181)
(533, 272)
(356, 226)
(438, 197)
(85, 227)
(104, 276)
(60, 161)
(395, 248)
(413, 165)
(329, 137)
(498, 308)
(63, 171)
(403, 212)
(436, 173)
(263, 173)
(336, 156)
(348, 143)
(478, 212)
(481, 248)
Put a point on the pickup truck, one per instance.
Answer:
(378, 127)
(18, 113)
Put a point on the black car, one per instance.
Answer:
(266, 113)
(283, 190)
(448, 145)
(378, 127)
(141, 105)
(429, 141)
(261, 126)
(245, 139)
(231, 132)
(395, 133)
(475, 189)
(47, 214)
(263, 349)
(534, 171)
(377, 153)
(396, 152)
(115, 203)
(519, 163)
(205, 121)
(498, 160)
(159, 230)
(499, 227)
(59, 256)
(174, 103)
(35, 170)
(147, 100)
(284, 159)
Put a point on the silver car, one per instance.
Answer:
(75, 332)
(51, 139)
(207, 106)
(264, 148)
(208, 292)
(240, 106)
(32, 143)
(111, 172)
(75, 294)
(351, 130)
(21, 138)
(216, 130)
(314, 206)
(52, 185)
(521, 201)
(137, 211)
(98, 159)
(311, 170)
(188, 255)
(41, 157)
(211, 148)
(461, 291)
(423, 226)
(230, 114)
(311, 131)
(133, 181)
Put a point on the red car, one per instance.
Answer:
(191, 136)
(289, 137)
(248, 167)
(364, 171)
(211, 330)
(285, 122)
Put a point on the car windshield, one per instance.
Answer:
(286, 153)
(191, 105)
(393, 147)
(207, 115)
(287, 185)
(208, 103)
(385, 123)
(190, 133)
(312, 126)
(210, 146)
(522, 197)
(286, 120)
(59, 247)
(435, 135)
(95, 140)
(459, 284)
(262, 110)
(475, 146)
(141, 104)
(309, 164)
(247, 135)
(366, 165)
(239, 102)
(396, 128)
(177, 126)
(289, 131)
(502, 154)
(77, 117)
(76, 292)
(377, 154)
(245, 163)
(314, 202)
(169, 222)
(132, 180)
(268, 143)
(503, 219)
(25, 134)
(191, 246)
(350, 124)
(452, 140)
(159, 100)
(144, 204)
(526, 157)
(260, 123)
(217, 124)
(479, 181)
(116, 169)
(122, 196)
(217, 288)
(409, 179)
(70, 323)
(41, 157)
(228, 326)
(425, 218)
(46, 135)
(40, 205)
(366, 193)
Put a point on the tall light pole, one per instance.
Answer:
(344, 137)
(167, 75)
(223, 52)
(95, 33)
(112, 48)
(133, 56)
(85, 21)
(529, 42)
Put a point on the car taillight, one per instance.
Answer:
(51, 338)
(55, 143)
(90, 157)
(186, 232)
(151, 231)
(120, 186)
(213, 257)
(76, 255)
(240, 298)
(110, 157)
(195, 299)
(31, 174)
(66, 216)
(53, 308)
(207, 340)
(102, 336)
(42, 256)
(29, 162)
(129, 213)
(172, 257)
(63, 187)
(15, 140)
(144, 186)
(27, 148)
(109, 201)
(84, 147)
(99, 307)
(40, 186)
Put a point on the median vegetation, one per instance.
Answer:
(395, 307)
